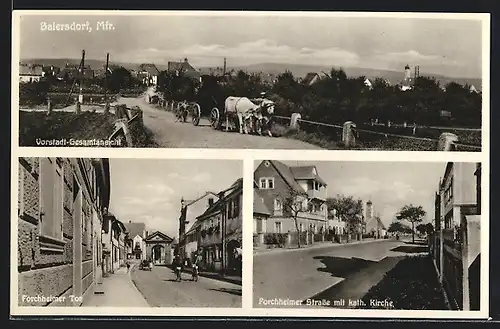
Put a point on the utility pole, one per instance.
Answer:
(82, 67)
(106, 105)
(223, 233)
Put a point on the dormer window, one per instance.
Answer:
(266, 183)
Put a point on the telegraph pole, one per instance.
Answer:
(106, 105)
(82, 66)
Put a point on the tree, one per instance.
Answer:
(422, 228)
(349, 210)
(120, 78)
(396, 227)
(412, 214)
(292, 203)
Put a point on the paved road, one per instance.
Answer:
(160, 290)
(169, 133)
(334, 272)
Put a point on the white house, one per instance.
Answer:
(138, 233)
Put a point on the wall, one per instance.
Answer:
(54, 260)
(280, 186)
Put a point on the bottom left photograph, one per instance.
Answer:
(121, 232)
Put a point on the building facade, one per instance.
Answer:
(456, 241)
(30, 73)
(277, 182)
(137, 234)
(159, 248)
(221, 234)
(61, 203)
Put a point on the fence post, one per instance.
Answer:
(122, 123)
(78, 108)
(294, 120)
(447, 142)
(348, 137)
(49, 106)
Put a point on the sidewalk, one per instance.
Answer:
(329, 244)
(119, 291)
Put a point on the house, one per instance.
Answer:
(190, 210)
(185, 67)
(61, 207)
(221, 231)
(456, 243)
(260, 215)
(159, 248)
(114, 235)
(311, 78)
(51, 70)
(277, 182)
(137, 234)
(30, 73)
(148, 74)
(368, 83)
(336, 225)
(73, 71)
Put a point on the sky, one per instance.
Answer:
(389, 185)
(449, 47)
(150, 190)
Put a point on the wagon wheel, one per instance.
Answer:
(215, 118)
(196, 114)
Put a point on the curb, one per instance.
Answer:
(326, 245)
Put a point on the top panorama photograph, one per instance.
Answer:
(251, 81)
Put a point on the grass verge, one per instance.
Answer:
(411, 285)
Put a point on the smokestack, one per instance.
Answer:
(224, 66)
(210, 202)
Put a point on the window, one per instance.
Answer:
(235, 207)
(266, 183)
(51, 195)
(278, 206)
(277, 227)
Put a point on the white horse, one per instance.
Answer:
(246, 110)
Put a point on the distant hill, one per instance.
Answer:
(298, 70)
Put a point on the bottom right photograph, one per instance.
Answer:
(367, 235)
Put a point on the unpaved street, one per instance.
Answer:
(169, 133)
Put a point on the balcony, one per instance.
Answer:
(317, 194)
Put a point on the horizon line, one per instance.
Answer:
(257, 63)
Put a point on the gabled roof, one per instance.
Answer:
(181, 66)
(30, 70)
(306, 172)
(287, 175)
(160, 235)
(259, 207)
(235, 188)
(135, 229)
(150, 68)
(309, 77)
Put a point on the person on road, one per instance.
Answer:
(128, 266)
(178, 264)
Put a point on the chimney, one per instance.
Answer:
(210, 202)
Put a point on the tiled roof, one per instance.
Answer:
(237, 187)
(135, 229)
(259, 207)
(309, 77)
(287, 175)
(150, 68)
(30, 70)
(306, 172)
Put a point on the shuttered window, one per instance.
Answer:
(51, 197)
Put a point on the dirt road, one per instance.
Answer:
(169, 133)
